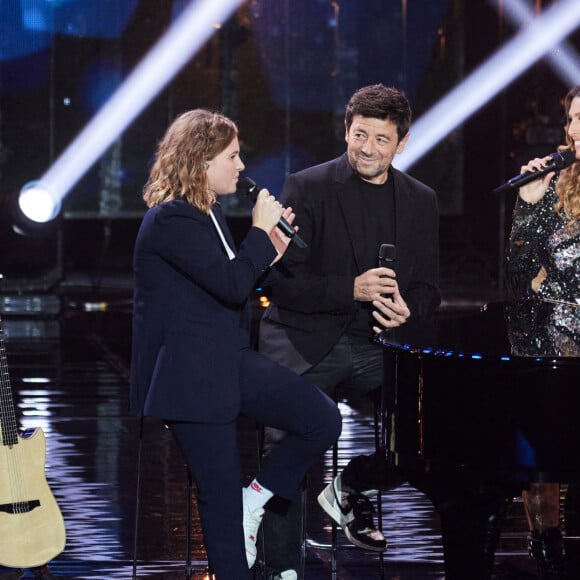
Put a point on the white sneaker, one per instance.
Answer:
(252, 521)
(287, 575)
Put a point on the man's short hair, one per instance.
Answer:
(381, 102)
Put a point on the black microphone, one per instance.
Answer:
(387, 255)
(558, 160)
(250, 188)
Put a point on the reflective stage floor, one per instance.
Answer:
(69, 376)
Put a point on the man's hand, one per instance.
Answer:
(371, 284)
(391, 311)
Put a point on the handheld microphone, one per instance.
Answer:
(558, 160)
(387, 255)
(250, 188)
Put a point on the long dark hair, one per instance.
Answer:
(568, 186)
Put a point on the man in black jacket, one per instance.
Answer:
(331, 298)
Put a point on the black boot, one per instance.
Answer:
(546, 549)
(572, 550)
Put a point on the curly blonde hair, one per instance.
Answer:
(568, 186)
(179, 170)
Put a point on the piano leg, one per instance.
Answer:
(471, 522)
(470, 529)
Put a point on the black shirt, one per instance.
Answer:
(377, 207)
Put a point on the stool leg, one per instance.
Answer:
(303, 516)
(137, 499)
(188, 570)
(334, 541)
(379, 449)
(260, 449)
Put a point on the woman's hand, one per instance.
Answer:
(534, 191)
(278, 238)
(267, 211)
(540, 277)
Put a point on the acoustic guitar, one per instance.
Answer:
(32, 529)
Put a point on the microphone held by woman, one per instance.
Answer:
(250, 188)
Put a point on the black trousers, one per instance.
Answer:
(354, 368)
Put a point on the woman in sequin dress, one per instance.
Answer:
(543, 263)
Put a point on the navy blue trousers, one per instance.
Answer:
(272, 395)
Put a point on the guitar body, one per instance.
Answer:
(32, 530)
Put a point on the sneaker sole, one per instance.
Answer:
(362, 545)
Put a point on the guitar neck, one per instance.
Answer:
(8, 427)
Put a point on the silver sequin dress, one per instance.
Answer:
(540, 237)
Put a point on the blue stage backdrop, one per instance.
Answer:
(283, 69)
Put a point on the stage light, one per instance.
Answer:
(35, 211)
(564, 59)
(549, 28)
(37, 203)
(185, 36)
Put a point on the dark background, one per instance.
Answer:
(284, 70)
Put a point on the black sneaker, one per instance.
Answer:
(354, 513)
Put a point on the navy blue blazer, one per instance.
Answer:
(191, 314)
(312, 301)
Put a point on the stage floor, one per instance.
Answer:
(69, 377)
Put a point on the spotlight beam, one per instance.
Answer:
(564, 59)
(553, 25)
(187, 34)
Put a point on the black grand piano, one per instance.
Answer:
(476, 407)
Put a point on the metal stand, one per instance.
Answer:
(188, 526)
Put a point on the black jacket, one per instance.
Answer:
(312, 300)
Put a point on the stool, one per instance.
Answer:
(188, 567)
(188, 525)
(379, 446)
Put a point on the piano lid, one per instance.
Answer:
(499, 331)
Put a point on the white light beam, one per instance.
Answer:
(553, 25)
(173, 50)
(563, 58)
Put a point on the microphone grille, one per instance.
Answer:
(565, 158)
(387, 253)
(248, 187)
